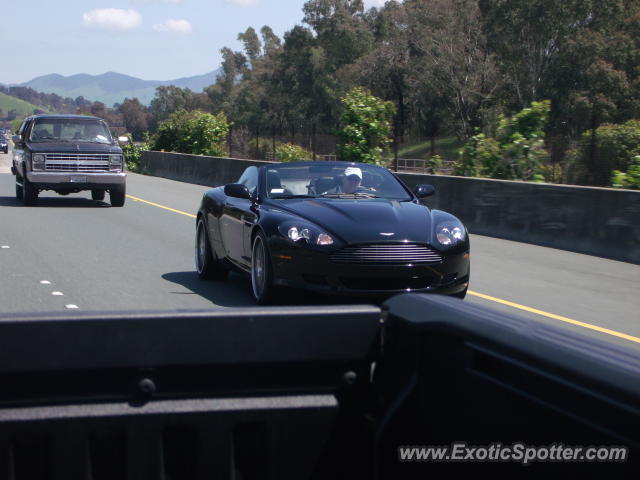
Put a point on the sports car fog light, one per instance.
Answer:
(324, 239)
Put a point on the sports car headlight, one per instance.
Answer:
(37, 162)
(304, 233)
(450, 233)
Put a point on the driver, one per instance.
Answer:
(350, 181)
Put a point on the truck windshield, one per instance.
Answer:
(70, 130)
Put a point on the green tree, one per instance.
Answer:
(365, 127)
(341, 29)
(251, 42)
(270, 40)
(452, 60)
(135, 117)
(167, 100)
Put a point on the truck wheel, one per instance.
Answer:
(18, 191)
(117, 196)
(29, 192)
(97, 195)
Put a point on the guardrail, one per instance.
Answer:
(311, 392)
(420, 165)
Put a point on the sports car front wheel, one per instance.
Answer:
(261, 271)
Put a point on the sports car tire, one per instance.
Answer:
(207, 266)
(29, 192)
(97, 195)
(264, 291)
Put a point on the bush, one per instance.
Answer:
(289, 152)
(517, 152)
(366, 127)
(435, 163)
(133, 153)
(617, 146)
(193, 132)
(480, 155)
(630, 179)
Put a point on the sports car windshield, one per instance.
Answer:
(331, 180)
(65, 130)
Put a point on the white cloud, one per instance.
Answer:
(112, 19)
(242, 3)
(173, 26)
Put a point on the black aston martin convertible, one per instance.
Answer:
(334, 227)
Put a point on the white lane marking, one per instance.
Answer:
(71, 306)
(5, 246)
(58, 294)
(45, 282)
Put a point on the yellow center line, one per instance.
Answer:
(475, 294)
(161, 206)
(556, 317)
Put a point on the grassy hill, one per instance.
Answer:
(7, 103)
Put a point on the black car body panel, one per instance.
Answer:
(380, 246)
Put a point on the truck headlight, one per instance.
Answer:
(115, 162)
(37, 162)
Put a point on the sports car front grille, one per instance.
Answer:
(385, 283)
(71, 162)
(385, 254)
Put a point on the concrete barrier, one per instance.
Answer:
(596, 221)
(209, 171)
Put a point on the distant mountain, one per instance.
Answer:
(111, 87)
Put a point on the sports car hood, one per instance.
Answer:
(372, 220)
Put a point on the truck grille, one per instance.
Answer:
(69, 162)
(401, 254)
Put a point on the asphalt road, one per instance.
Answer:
(71, 253)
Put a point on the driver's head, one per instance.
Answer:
(351, 179)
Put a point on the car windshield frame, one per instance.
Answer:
(70, 130)
(298, 180)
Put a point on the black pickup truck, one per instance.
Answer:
(67, 154)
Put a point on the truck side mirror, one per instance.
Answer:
(122, 140)
(16, 139)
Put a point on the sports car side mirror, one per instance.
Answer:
(423, 190)
(237, 190)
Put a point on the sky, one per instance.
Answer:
(148, 39)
